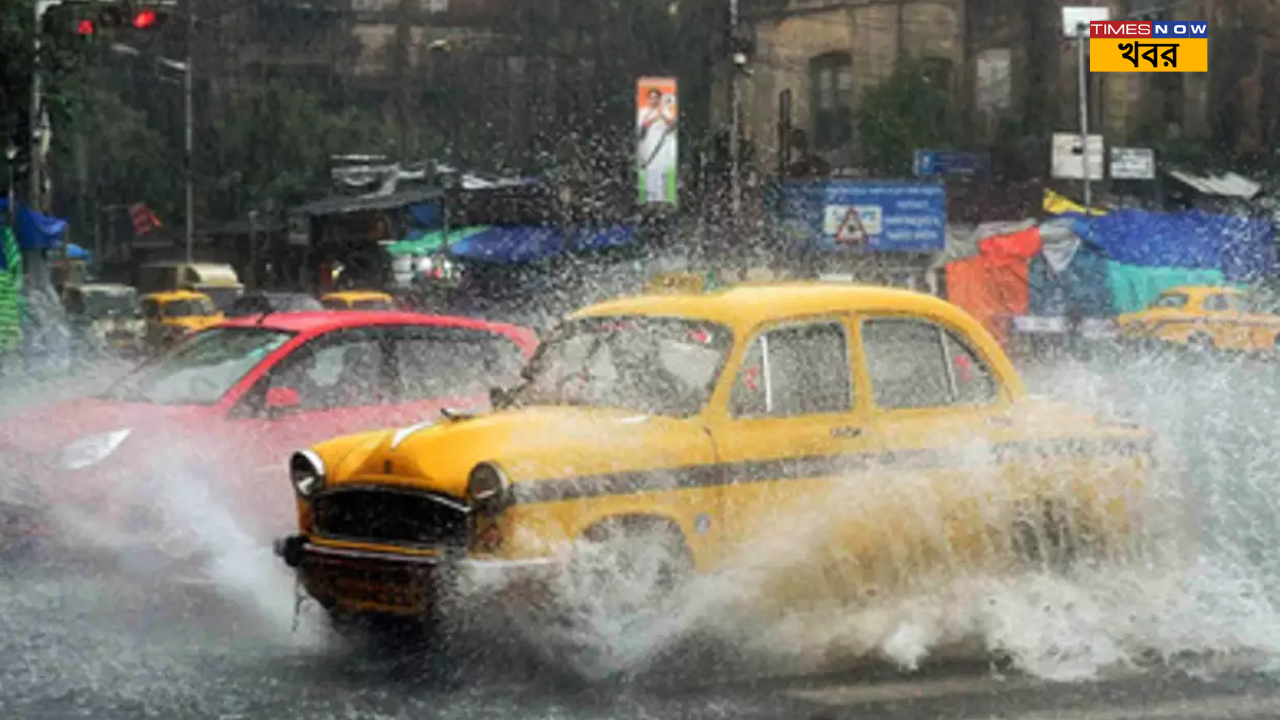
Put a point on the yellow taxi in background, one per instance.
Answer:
(848, 440)
(1203, 317)
(174, 314)
(358, 300)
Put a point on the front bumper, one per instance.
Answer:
(404, 584)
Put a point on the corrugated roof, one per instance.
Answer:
(1225, 185)
(341, 204)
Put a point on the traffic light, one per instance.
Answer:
(90, 18)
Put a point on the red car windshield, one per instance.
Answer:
(201, 370)
(663, 366)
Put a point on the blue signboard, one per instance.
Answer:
(931, 163)
(868, 215)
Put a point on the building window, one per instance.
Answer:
(831, 78)
(993, 86)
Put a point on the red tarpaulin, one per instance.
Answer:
(992, 285)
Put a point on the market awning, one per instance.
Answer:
(521, 245)
(433, 241)
(341, 204)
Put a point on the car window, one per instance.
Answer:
(376, 304)
(973, 382)
(1170, 300)
(1216, 303)
(802, 370)
(200, 370)
(443, 362)
(907, 363)
(1238, 303)
(656, 365)
(334, 304)
(338, 370)
(199, 307)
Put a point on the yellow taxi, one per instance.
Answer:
(881, 432)
(1203, 317)
(358, 300)
(170, 315)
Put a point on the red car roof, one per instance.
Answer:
(325, 321)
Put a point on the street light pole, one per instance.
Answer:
(1082, 37)
(735, 102)
(189, 131)
(41, 7)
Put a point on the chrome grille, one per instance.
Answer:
(391, 516)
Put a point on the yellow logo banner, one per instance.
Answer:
(1148, 55)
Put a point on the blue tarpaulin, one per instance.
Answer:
(75, 252)
(426, 215)
(1242, 248)
(36, 231)
(519, 245)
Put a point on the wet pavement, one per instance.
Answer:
(107, 648)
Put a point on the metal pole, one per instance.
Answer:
(1082, 36)
(735, 102)
(189, 140)
(33, 196)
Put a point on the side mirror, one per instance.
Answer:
(498, 398)
(282, 399)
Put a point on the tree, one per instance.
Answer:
(274, 148)
(904, 113)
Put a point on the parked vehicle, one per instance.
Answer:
(172, 315)
(218, 281)
(701, 428)
(1204, 317)
(212, 418)
(260, 302)
(105, 317)
(359, 300)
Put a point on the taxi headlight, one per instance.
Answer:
(488, 488)
(306, 472)
(91, 450)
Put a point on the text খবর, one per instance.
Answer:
(1151, 52)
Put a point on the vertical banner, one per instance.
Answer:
(657, 155)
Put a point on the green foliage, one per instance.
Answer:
(274, 148)
(904, 113)
(1175, 148)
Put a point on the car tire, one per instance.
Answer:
(1046, 536)
(619, 584)
(1200, 343)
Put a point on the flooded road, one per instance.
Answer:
(75, 642)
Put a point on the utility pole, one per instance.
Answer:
(189, 131)
(735, 107)
(1082, 37)
(35, 111)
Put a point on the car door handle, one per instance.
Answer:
(846, 432)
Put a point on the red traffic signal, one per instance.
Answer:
(110, 16)
(144, 19)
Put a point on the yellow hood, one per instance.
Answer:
(532, 444)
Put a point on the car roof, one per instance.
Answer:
(323, 321)
(749, 304)
(1203, 290)
(170, 295)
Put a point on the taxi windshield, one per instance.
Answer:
(196, 307)
(660, 366)
(201, 370)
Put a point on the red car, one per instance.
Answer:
(202, 434)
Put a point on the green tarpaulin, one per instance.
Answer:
(10, 289)
(432, 242)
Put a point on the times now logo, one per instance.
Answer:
(1148, 29)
